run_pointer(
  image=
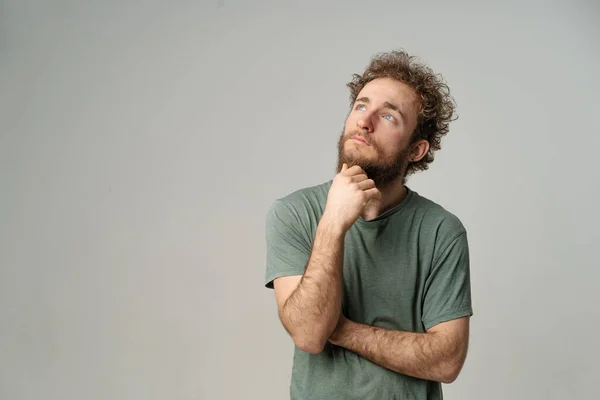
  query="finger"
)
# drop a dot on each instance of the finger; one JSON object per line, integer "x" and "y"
{"x": 354, "y": 170}
{"x": 360, "y": 178}
{"x": 344, "y": 167}
{"x": 366, "y": 184}
{"x": 373, "y": 194}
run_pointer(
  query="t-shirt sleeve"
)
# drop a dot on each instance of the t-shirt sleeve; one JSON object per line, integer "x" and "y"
{"x": 447, "y": 292}
{"x": 288, "y": 246}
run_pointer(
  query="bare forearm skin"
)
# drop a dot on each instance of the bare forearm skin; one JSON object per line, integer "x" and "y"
{"x": 312, "y": 311}
{"x": 432, "y": 356}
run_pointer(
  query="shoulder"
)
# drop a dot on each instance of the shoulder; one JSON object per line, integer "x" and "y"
{"x": 301, "y": 208}
{"x": 438, "y": 225}
{"x": 306, "y": 200}
{"x": 436, "y": 216}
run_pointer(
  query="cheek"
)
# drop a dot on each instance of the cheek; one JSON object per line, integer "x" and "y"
{"x": 390, "y": 147}
{"x": 349, "y": 125}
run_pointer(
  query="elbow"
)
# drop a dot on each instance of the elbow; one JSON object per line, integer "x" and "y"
{"x": 450, "y": 373}
{"x": 310, "y": 345}
{"x": 312, "y": 349}
{"x": 309, "y": 342}
{"x": 451, "y": 367}
{"x": 448, "y": 378}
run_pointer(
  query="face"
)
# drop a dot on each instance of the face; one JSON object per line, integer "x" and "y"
{"x": 377, "y": 131}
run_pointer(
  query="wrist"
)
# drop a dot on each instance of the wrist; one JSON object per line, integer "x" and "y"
{"x": 339, "y": 334}
{"x": 331, "y": 226}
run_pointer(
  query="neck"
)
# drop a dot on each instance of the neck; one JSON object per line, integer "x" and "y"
{"x": 391, "y": 196}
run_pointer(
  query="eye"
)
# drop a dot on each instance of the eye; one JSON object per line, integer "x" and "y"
{"x": 360, "y": 107}
{"x": 389, "y": 117}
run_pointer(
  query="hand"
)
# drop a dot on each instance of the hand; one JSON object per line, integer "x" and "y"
{"x": 337, "y": 333}
{"x": 350, "y": 192}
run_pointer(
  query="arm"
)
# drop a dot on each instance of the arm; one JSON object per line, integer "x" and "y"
{"x": 309, "y": 305}
{"x": 437, "y": 355}
{"x": 440, "y": 353}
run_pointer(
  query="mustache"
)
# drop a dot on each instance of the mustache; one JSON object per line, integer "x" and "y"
{"x": 351, "y": 134}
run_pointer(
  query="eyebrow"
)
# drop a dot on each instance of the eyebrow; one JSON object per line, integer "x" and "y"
{"x": 387, "y": 104}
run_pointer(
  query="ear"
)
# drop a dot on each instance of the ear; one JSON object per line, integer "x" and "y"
{"x": 419, "y": 150}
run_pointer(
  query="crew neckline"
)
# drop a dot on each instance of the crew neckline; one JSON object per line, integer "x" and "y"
{"x": 409, "y": 195}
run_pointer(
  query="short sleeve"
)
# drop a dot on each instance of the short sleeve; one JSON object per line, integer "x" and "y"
{"x": 447, "y": 293}
{"x": 288, "y": 246}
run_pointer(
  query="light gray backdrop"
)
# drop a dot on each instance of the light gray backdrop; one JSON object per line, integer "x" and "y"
{"x": 141, "y": 145}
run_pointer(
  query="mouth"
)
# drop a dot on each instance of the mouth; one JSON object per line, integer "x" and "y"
{"x": 360, "y": 139}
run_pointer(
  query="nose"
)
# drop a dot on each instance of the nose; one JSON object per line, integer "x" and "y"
{"x": 365, "y": 124}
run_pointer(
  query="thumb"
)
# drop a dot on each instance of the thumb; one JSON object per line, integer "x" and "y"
{"x": 344, "y": 167}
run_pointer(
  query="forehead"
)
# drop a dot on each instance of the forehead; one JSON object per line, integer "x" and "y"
{"x": 387, "y": 89}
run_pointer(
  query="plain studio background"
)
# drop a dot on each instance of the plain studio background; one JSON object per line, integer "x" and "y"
{"x": 141, "y": 146}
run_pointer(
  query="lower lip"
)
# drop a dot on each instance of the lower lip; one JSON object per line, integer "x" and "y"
{"x": 360, "y": 141}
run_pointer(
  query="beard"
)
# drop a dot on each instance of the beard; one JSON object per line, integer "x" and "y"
{"x": 383, "y": 170}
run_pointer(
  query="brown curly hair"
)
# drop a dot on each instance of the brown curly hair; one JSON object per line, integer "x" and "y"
{"x": 437, "y": 107}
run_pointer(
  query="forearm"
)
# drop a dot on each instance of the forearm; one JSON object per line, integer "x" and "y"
{"x": 312, "y": 311}
{"x": 431, "y": 356}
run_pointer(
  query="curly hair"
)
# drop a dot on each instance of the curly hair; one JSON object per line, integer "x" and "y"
{"x": 437, "y": 107}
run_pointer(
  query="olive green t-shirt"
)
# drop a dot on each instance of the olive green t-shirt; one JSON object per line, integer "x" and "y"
{"x": 408, "y": 270}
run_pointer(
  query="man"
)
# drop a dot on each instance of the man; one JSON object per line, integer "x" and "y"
{"x": 371, "y": 279}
